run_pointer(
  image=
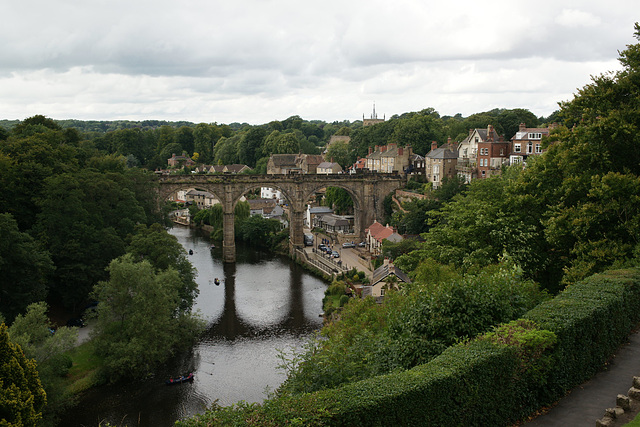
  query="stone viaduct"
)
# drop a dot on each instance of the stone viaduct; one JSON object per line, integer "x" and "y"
{"x": 367, "y": 191}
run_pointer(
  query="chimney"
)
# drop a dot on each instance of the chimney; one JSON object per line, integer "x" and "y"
{"x": 370, "y": 150}
{"x": 400, "y": 151}
{"x": 434, "y": 145}
{"x": 490, "y": 133}
{"x": 523, "y": 127}
{"x": 449, "y": 142}
{"x": 383, "y": 148}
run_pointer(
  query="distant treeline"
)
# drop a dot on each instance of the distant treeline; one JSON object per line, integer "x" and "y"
{"x": 150, "y": 143}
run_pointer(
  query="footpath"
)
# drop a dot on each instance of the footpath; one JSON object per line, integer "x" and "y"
{"x": 587, "y": 403}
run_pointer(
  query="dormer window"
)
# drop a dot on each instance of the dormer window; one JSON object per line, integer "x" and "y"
{"x": 533, "y": 135}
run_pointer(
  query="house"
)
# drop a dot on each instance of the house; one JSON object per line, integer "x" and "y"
{"x": 202, "y": 199}
{"x": 385, "y": 277}
{"x": 417, "y": 165}
{"x": 475, "y": 163}
{"x": 526, "y": 142}
{"x": 271, "y": 193}
{"x": 309, "y": 162}
{"x": 313, "y": 211}
{"x": 376, "y": 233}
{"x": 263, "y": 207}
{"x": 180, "y": 161}
{"x": 389, "y": 158}
{"x": 441, "y": 162}
{"x": 284, "y": 164}
{"x": 326, "y": 168}
{"x": 235, "y": 168}
{"x": 332, "y": 223}
{"x": 359, "y": 166}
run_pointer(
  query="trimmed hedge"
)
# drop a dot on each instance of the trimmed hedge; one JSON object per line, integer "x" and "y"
{"x": 591, "y": 320}
{"x": 476, "y": 383}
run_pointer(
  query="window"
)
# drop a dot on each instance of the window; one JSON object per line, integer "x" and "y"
{"x": 464, "y": 153}
{"x": 529, "y": 147}
{"x": 502, "y": 151}
{"x": 516, "y": 148}
{"x": 538, "y": 148}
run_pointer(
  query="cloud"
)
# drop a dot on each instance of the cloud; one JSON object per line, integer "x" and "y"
{"x": 577, "y": 18}
{"x": 257, "y": 60}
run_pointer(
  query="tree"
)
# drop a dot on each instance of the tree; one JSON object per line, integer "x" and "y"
{"x": 257, "y": 231}
{"x": 22, "y": 397}
{"x": 140, "y": 322}
{"x": 84, "y": 220}
{"x": 340, "y": 152}
{"x": 281, "y": 143}
{"x": 24, "y": 269}
{"x": 418, "y": 131}
{"x": 163, "y": 251}
{"x": 250, "y": 147}
{"x": 339, "y": 199}
{"x": 32, "y": 331}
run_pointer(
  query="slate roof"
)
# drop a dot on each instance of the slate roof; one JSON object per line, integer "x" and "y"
{"x": 284, "y": 159}
{"x": 386, "y": 270}
{"x": 443, "y": 152}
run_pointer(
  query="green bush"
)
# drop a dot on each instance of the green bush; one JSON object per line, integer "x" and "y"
{"x": 344, "y": 299}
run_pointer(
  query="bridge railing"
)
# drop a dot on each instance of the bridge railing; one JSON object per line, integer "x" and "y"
{"x": 328, "y": 267}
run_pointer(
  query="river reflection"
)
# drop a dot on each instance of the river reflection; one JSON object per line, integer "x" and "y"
{"x": 263, "y": 303}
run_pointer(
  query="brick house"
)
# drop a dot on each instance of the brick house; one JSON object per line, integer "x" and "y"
{"x": 376, "y": 233}
{"x": 180, "y": 161}
{"x": 475, "y": 163}
{"x": 527, "y": 142}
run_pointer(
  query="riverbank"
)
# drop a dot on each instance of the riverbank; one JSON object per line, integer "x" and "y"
{"x": 263, "y": 303}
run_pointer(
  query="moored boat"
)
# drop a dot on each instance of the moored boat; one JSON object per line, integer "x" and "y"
{"x": 181, "y": 379}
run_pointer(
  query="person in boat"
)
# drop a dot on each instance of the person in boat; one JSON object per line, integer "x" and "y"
{"x": 216, "y": 281}
{"x": 190, "y": 251}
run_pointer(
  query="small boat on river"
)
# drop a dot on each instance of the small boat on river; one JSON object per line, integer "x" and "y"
{"x": 181, "y": 379}
{"x": 190, "y": 251}
{"x": 216, "y": 281}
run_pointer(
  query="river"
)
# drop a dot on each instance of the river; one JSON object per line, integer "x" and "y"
{"x": 264, "y": 303}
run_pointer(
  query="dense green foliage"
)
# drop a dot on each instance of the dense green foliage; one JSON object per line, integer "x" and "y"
{"x": 22, "y": 397}
{"x": 410, "y": 328}
{"x": 163, "y": 251}
{"x": 34, "y": 332}
{"x": 69, "y": 198}
{"x": 141, "y": 321}
{"x": 24, "y": 269}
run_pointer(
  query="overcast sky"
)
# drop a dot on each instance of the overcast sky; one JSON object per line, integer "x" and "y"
{"x": 260, "y": 60}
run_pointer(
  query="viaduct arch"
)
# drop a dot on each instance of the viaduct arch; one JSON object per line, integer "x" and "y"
{"x": 367, "y": 190}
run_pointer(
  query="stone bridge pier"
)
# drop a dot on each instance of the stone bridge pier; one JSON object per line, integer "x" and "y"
{"x": 367, "y": 191}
